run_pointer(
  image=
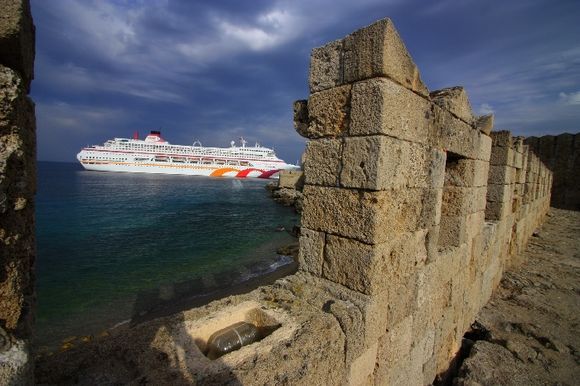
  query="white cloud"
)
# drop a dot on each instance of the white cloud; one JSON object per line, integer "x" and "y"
{"x": 485, "y": 109}
{"x": 572, "y": 98}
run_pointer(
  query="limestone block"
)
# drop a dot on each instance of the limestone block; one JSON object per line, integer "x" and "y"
{"x": 378, "y": 51}
{"x": 467, "y": 173}
{"x": 518, "y": 144}
{"x": 484, "y": 149}
{"x": 394, "y": 352}
{"x": 499, "y": 193}
{"x": 495, "y": 211}
{"x": 454, "y": 100}
{"x": 354, "y": 264}
{"x": 457, "y": 136}
{"x": 301, "y": 123}
{"x": 323, "y": 161}
{"x": 475, "y": 223}
{"x": 381, "y": 106}
{"x": 17, "y": 39}
{"x": 452, "y": 232}
{"x": 462, "y": 201}
{"x": 370, "y": 217}
{"x": 432, "y": 205}
{"x": 485, "y": 123}
{"x": 310, "y": 255}
{"x": 362, "y": 367}
{"x": 518, "y": 160}
{"x": 502, "y": 138}
{"x": 326, "y": 67}
{"x": 501, "y": 156}
{"x": 371, "y": 269}
{"x": 379, "y": 162}
{"x": 501, "y": 174}
{"x": 328, "y": 112}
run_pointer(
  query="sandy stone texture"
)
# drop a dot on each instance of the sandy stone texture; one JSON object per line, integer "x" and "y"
{"x": 532, "y": 319}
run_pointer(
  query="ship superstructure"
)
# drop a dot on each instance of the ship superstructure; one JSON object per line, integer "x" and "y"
{"x": 156, "y": 155}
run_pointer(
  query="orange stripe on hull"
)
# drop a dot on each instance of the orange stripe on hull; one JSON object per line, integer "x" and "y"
{"x": 222, "y": 171}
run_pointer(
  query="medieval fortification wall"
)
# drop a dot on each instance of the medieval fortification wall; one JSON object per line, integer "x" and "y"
{"x": 561, "y": 154}
{"x": 412, "y": 210}
{"x": 17, "y": 187}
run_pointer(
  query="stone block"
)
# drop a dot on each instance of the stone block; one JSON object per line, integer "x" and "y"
{"x": 328, "y": 112}
{"x": 323, "y": 161}
{"x": 381, "y": 106}
{"x": 372, "y": 269}
{"x": 378, "y": 51}
{"x": 462, "y": 201}
{"x": 301, "y": 123}
{"x": 326, "y": 67}
{"x": 518, "y": 144}
{"x": 310, "y": 255}
{"x": 454, "y": 100}
{"x": 518, "y": 160}
{"x": 495, "y": 211}
{"x": 501, "y": 156}
{"x": 380, "y": 162}
{"x": 362, "y": 367}
{"x": 502, "y": 138}
{"x": 370, "y": 217}
{"x": 485, "y": 123}
{"x": 457, "y": 136}
{"x": 467, "y": 173}
{"x": 501, "y": 174}
{"x": 475, "y": 223}
{"x": 499, "y": 193}
{"x": 484, "y": 149}
{"x": 452, "y": 232}
{"x": 17, "y": 39}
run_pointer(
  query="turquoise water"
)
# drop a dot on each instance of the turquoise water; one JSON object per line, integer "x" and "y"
{"x": 110, "y": 245}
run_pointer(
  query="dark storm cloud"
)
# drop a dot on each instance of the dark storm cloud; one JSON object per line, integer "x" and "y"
{"x": 223, "y": 69}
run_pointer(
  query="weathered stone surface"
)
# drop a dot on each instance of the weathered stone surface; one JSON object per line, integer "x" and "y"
{"x": 499, "y": 193}
{"x": 362, "y": 368}
{"x": 497, "y": 210}
{"x": 17, "y": 187}
{"x": 323, "y": 161}
{"x": 501, "y": 174}
{"x": 502, "y": 138}
{"x": 310, "y": 255}
{"x": 379, "y": 162}
{"x": 301, "y": 121}
{"x": 454, "y": 100}
{"x": 378, "y": 51}
{"x": 502, "y": 156}
{"x": 485, "y": 123}
{"x": 329, "y": 113}
{"x": 355, "y": 214}
{"x": 467, "y": 173}
{"x": 17, "y": 39}
{"x": 457, "y": 136}
{"x": 326, "y": 67}
{"x": 452, "y": 232}
{"x": 381, "y": 106}
{"x": 463, "y": 201}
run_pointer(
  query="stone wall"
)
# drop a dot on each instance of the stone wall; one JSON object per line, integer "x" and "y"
{"x": 562, "y": 155}
{"x": 17, "y": 187}
{"x": 412, "y": 210}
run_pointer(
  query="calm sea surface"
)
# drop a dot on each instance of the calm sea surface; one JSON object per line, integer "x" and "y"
{"x": 112, "y": 245}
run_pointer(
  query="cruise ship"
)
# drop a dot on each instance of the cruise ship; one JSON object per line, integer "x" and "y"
{"x": 155, "y": 155}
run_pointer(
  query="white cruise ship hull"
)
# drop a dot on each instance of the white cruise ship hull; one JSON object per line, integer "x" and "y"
{"x": 182, "y": 169}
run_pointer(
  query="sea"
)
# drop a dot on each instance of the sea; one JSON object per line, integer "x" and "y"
{"x": 113, "y": 246}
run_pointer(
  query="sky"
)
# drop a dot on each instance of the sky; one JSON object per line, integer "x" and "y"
{"x": 218, "y": 70}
